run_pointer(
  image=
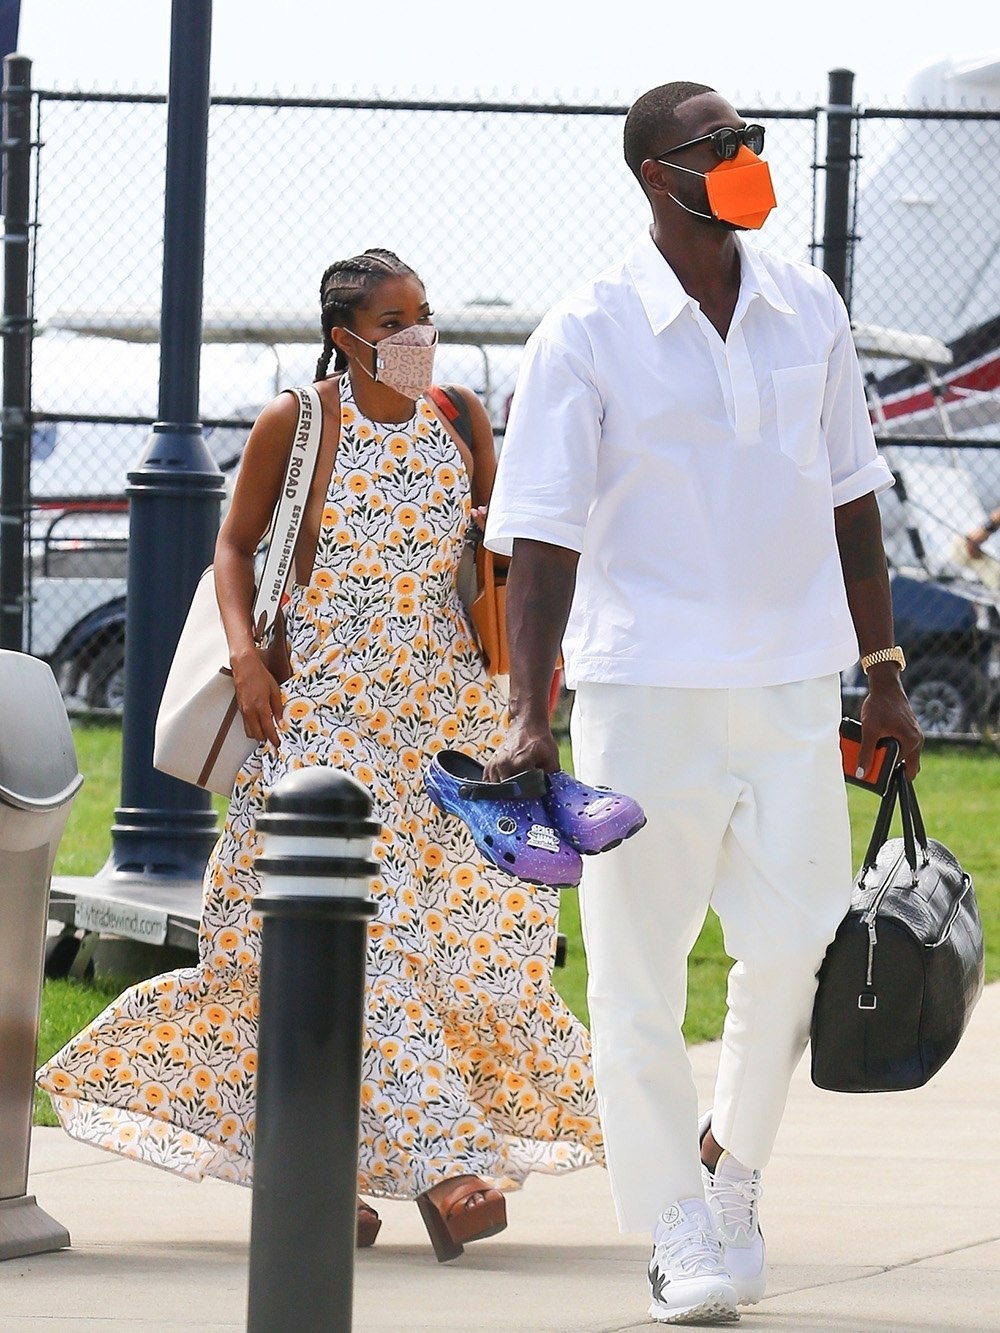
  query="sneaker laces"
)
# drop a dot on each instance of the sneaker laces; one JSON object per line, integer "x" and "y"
{"x": 691, "y": 1249}
{"x": 734, "y": 1205}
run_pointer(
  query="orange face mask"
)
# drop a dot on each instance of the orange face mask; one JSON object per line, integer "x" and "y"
{"x": 739, "y": 191}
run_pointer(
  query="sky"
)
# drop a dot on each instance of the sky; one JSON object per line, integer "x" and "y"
{"x": 770, "y": 51}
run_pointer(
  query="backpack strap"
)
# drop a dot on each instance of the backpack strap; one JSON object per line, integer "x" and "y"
{"x": 451, "y": 405}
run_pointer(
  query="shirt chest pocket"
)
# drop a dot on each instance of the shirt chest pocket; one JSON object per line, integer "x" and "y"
{"x": 798, "y": 406}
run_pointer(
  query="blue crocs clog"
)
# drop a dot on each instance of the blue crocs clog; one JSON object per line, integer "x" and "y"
{"x": 591, "y": 819}
{"x": 507, "y": 820}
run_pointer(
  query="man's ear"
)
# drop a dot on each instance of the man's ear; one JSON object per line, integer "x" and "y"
{"x": 655, "y": 176}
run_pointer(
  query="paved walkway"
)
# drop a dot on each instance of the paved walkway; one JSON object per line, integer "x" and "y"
{"x": 882, "y": 1214}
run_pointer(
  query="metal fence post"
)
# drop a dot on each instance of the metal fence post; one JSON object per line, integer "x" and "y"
{"x": 164, "y": 826}
{"x": 837, "y": 235}
{"x": 315, "y": 870}
{"x": 16, "y": 329}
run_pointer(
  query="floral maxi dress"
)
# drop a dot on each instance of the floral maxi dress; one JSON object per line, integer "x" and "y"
{"x": 472, "y": 1063}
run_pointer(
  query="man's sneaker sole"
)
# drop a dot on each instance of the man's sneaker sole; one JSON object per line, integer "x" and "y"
{"x": 717, "y": 1307}
{"x": 748, "y": 1294}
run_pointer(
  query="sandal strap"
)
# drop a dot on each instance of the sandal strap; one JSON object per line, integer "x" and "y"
{"x": 519, "y": 786}
{"x": 447, "y": 1200}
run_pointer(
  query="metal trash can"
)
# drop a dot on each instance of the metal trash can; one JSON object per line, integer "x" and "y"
{"x": 38, "y": 781}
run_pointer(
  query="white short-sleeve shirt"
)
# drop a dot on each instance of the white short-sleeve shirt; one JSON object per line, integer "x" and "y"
{"x": 696, "y": 477}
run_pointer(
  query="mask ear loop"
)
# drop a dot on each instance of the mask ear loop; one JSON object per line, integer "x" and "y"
{"x": 695, "y": 213}
{"x": 373, "y": 373}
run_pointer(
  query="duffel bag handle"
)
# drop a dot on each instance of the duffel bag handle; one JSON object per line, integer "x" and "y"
{"x": 901, "y": 789}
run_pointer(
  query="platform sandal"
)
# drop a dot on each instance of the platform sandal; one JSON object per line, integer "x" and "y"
{"x": 464, "y": 1209}
{"x": 369, "y": 1223}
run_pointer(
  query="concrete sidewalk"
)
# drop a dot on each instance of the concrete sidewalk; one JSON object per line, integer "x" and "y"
{"x": 881, "y": 1213}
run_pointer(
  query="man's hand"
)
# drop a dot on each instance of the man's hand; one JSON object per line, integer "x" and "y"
{"x": 886, "y": 712}
{"x": 524, "y": 747}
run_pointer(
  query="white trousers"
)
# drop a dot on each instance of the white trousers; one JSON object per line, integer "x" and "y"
{"x": 744, "y": 795}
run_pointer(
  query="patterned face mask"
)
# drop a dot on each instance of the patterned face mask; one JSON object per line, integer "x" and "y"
{"x": 404, "y": 361}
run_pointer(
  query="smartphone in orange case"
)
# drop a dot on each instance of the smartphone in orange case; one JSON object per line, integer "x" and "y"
{"x": 877, "y": 777}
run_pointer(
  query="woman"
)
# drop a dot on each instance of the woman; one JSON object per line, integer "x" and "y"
{"x": 474, "y": 1073}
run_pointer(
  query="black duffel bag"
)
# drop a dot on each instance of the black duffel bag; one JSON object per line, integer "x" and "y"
{"x": 901, "y": 978}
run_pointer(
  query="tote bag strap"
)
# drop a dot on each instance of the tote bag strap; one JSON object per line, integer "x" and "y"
{"x": 288, "y": 514}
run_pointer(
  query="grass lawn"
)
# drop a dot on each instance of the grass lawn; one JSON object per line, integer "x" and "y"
{"x": 959, "y": 790}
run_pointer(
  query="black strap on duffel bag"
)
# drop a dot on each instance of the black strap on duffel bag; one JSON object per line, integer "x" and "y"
{"x": 902, "y": 976}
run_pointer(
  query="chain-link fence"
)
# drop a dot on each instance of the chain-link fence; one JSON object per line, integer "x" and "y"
{"x": 502, "y": 209}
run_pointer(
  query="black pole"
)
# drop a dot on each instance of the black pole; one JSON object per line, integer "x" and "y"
{"x": 16, "y": 329}
{"x": 316, "y": 872}
{"x": 837, "y": 214}
{"x": 165, "y": 827}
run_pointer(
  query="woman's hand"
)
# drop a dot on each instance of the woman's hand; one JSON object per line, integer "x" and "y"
{"x": 974, "y": 542}
{"x": 478, "y": 517}
{"x": 258, "y": 696}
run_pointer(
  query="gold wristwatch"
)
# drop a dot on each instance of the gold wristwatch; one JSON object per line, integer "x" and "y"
{"x": 884, "y": 655}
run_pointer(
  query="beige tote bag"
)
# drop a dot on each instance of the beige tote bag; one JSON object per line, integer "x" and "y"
{"x": 199, "y": 733}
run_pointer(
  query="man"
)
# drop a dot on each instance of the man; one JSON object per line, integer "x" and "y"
{"x": 689, "y": 447}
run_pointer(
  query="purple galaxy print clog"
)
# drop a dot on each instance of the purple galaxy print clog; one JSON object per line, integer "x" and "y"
{"x": 591, "y": 819}
{"x": 508, "y": 820}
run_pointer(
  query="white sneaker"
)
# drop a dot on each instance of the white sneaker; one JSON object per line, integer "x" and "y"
{"x": 688, "y": 1281}
{"x": 732, "y": 1191}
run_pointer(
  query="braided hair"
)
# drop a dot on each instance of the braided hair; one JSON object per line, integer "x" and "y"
{"x": 346, "y": 285}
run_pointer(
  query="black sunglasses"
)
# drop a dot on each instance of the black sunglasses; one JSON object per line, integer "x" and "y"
{"x": 726, "y": 142}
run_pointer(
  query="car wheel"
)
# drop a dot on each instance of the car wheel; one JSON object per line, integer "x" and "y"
{"x": 106, "y": 678}
{"x": 942, "y": 693}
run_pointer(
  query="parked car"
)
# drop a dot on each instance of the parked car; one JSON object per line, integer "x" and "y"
{"x": 951, "y": 635}
{"x": 76, "y": 608}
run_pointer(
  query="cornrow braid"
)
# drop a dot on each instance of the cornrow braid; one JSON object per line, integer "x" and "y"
{"x": 344, "y": 287}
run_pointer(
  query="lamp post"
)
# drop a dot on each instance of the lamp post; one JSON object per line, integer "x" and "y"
{"x": 164, "y": 827}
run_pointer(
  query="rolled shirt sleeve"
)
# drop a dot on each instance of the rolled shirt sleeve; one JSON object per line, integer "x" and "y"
{"x": 856, "y": 468}
{"x": 547, "y": 473}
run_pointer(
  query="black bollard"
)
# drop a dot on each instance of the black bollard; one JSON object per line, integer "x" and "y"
{"x": 316, "y": 870}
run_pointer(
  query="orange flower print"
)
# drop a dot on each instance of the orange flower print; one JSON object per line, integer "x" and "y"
{"x": 407, "y": 516}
